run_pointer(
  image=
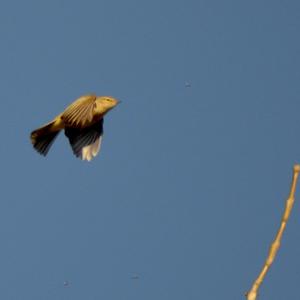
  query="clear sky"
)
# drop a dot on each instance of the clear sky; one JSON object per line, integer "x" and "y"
{"x": 187, "y": 192}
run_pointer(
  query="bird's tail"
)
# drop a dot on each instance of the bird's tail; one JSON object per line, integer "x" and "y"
{"x": 43, "y": 137}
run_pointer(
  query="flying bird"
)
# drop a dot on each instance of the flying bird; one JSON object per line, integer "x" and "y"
{"x": 82, "y": 122}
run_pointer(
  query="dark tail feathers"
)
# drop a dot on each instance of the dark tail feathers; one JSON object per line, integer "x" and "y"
{"x": 43, "y": 138}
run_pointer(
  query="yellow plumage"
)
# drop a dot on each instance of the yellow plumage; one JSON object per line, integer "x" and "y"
{"x": 83, "y": 125}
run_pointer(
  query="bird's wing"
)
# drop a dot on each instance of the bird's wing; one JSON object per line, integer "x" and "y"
{"x": 85, "y": 142}
{"x": 80, "y": 112}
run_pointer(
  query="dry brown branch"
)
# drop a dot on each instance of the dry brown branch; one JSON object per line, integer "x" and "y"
{"x": 253, "y": 292}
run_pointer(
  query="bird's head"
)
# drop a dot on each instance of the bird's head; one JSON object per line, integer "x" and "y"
{"x": 107, "y": 103}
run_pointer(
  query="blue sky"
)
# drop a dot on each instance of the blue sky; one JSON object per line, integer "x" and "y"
{"x": 190, "y": 184}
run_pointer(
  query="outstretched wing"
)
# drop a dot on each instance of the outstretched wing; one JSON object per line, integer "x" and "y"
{"x": 85, "y": 142}
{"x": 80, "y": 113}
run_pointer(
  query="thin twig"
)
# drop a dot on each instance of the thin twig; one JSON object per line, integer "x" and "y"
{"x": 252, "y": 294}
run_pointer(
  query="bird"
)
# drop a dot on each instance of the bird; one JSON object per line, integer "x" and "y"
{"x": 82, "y": 122}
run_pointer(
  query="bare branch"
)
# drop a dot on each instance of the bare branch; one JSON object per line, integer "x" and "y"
{"x": 252, "y": 294}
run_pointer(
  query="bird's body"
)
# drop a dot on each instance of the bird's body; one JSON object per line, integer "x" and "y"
{"x": 83, "y": 125}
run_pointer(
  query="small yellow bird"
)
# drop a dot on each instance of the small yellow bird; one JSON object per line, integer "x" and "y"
{"x": 83, "y": 125}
